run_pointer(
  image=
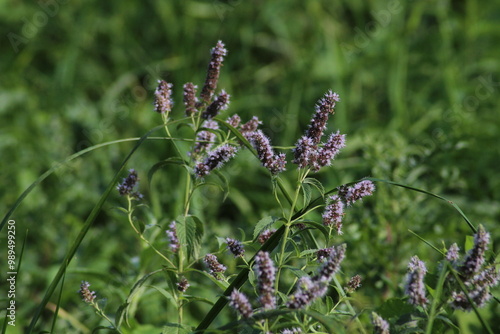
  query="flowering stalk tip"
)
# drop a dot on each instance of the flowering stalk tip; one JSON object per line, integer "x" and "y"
{"x": 163, "y": 97}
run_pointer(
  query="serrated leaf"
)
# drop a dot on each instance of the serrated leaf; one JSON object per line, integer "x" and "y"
{"x": 264, "y": 224}
{"x": 198, "y": 235}
{"x": 189, "y": 232}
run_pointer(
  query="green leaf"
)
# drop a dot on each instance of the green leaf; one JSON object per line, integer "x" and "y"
{"x": 165, "y": 293}
{"x": 306, "y": 190}
{"x": 198, "y": 235}
{"x": 190, "y": 232}
{"x": 317, "y": 226}
{"x": 264, "y": 224}
{"x": 316, "y": 184}
{"x": 394, "y": 307}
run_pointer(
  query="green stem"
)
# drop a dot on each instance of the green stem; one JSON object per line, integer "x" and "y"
{"x": 130, "y": 211}
{"x": 348, "y": 304}
{"x": 104, "y": 316}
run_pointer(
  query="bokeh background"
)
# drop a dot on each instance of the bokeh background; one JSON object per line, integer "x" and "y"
{"x": 419, "y": 83}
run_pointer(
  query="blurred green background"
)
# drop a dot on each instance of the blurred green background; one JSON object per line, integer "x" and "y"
{"x": 419, "y": 83}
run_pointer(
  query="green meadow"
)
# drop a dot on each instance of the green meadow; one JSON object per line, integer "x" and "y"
{"x": 419, "y": 87}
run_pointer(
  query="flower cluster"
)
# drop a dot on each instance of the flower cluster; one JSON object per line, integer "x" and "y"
{"x": 355, "y": 193}
{"x": 87, "y": 295}
{"x": 415, "y": 288}
{"x": 172, "y": 237}
{"x": 215, "y": 268}
{"x": 334, "y": 210}
{"x": 353, "y": 284}
{"x": 452, "y": 254}
{"x": 477, "y": 280}
{"x": 207, "y": 92}
{"x": 163, "y": 97}
{"x": 307, "y": 151}
{"x": 240, "y": 303}
{"x": 265, "y": 235}
{"x": 183, "y": 284}
{"x": 234, "y": 120}
{"x": 215, "y": 159}
{"x": 205, "y": 138}
{"x": 380, "y": 326}
{"x": 309, "y": 288}
{"x": 220, "y": 103}
{"x": 265, "y": 273}
{"x": 334, "y": 213}
{"x": 190, "y": 98}
{"x": 126, "y": 188}
{"x": 250, "y": 126}
{"x": 235, "y": 247}
{"x": 275, "y": 163}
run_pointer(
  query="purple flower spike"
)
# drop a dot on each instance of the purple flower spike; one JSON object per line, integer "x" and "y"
{"x": 215, "y": 159}
{"x": 332, "y": 147}
{"x": 305, "y": 152}
{"x": 205, "y": 139}
{"x": 163, "y": 97}
{"x": 126, "y": 188}
{"x": 324, "y": 108}
{"x": 183, "y": 284}
{"x": 356, "y": 192}
{"x": 475, "y": 257}
{"x": 452, "y": 253}
{"x": 172, "y": 237}
{"x": 380, "y": 326}
{"x": 415, "y": 288}
{"x": 234, "y": 120}
{"x": 215, "y": 268}
{"x": 190, "y": 98}
{"x": 331, "y": 265}
{"x": 235, "y": 247}
{"x": 240, "y": 303}
{"x": 87, "y": 295}
{"x": 250, "y": 126}
{"x": 274, "y": 163}
{"x": 334, "y": 213}
{"x": 265, "y": 272}
{"x": 220, "y": 103}
{"x": 207, "y": 92}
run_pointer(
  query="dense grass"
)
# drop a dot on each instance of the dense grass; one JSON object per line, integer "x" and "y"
{"x": 419, "y": 104}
